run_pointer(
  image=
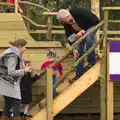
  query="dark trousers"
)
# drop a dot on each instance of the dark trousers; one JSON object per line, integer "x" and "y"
{"x": 9, "y": 103}
{"x": 90, "y": 58}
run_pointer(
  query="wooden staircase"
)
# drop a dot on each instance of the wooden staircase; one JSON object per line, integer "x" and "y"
{"x": 70, "y": 94}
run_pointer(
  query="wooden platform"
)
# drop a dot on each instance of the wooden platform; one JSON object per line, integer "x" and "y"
{"x": 12, "y": 27}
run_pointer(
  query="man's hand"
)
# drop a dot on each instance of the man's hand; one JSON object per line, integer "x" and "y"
{"x": 20, "y": 10}
{"x": 80, "y": 34}
{"x": 76, "y": 54}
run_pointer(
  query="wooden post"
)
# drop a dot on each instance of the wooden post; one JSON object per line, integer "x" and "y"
{"x": 110, "y": 94}
{"x": 49, "y": 31}
{"x": 16, "y": 6}
{"x": 104, "y": 74}
{"x": 49, "y": 78}
{"x": 103, "y": 86}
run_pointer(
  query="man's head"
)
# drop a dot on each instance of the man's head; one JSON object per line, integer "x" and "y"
{"x": 64, "y": 16}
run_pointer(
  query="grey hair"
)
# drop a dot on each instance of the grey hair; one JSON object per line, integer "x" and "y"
{"x": 62, "y": 14}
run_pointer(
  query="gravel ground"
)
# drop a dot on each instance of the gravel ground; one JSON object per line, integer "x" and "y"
{"x": 83, "y": 117}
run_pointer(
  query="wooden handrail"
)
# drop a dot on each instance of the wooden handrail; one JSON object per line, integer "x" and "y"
{"x": 110, "y": 38}
{"x": 78, "y": 61}
{"x": 27, "y": 3}
{"x": 35, "y": 5}
{"x": 111, "y": 8}
{"x": 39, "y": 25}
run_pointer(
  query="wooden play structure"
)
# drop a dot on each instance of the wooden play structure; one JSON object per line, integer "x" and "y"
{"x": 12, "y": 26}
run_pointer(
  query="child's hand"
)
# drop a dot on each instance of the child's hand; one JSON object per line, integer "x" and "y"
{"x": 28, "y": 69}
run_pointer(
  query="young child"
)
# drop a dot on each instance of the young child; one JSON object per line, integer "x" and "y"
{"x": 26, "y": 89}
{"x": 58, "y": 67}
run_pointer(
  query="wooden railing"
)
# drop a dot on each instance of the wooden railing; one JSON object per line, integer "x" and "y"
{"x": 107, "y": 98}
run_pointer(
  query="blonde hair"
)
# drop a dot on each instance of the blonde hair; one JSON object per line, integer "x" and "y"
{"x": 62, "y": 14}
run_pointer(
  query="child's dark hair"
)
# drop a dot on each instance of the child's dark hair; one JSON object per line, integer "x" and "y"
{"x": 18, "y": 42}
{"x": 51, "y": 53}
{"x": 26, "y": 61}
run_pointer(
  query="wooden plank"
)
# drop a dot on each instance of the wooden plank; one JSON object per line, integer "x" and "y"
{"x": 111, "y": 38}
{"x": 10, "y": 17}
{"x": 36, "y": 98}
{"x": 116, "y": 85}
{"x": 1, "y": 98}
{"x": 77, "y": 88}
{"x": 49, "y": 77}
{"x": 42, "y": 57}
{"x": 117, "y": 90}
{"x": 111, "y": 8}
{"x": 103, "y": 89}
{"x": 31, "y": 42}
{"x": 81, "y": 110}
{"x": 38, "y": 90}
{"x": 13, "y": 33}
{"x": 16, "y": 6}
{"x": 110, "y": 91}
{"x": 85, "y": 110}
{"x": 34, "y": 44}
{"x": 44, "y": 50}
{"x": 59, "y": 32}
{"x": 13, "y": 25}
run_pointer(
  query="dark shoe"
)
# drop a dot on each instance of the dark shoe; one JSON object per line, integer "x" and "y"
{"x": 72, "y": 81}
{"x": 27, "y": 115}
{"x": 54, "y": 96}
{"x": 88, "y": 67}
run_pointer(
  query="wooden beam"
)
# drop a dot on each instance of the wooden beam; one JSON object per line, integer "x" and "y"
{"x": 110, "y": 97}
{"x": 110, "y": 38}
{"x": 32, "y": 44}
{"x": 49, "y": 77}
{"x": 16, "y": 6}
{"x": 111, "y": 8}
{"x": 50, "y": 13}
{"x": 71, "y": 93}
{"x": 103, "y": 81}
{"x": 49, "y": 30}
{"x": 114, "y": 21}
{"x": 45, "y": 31}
